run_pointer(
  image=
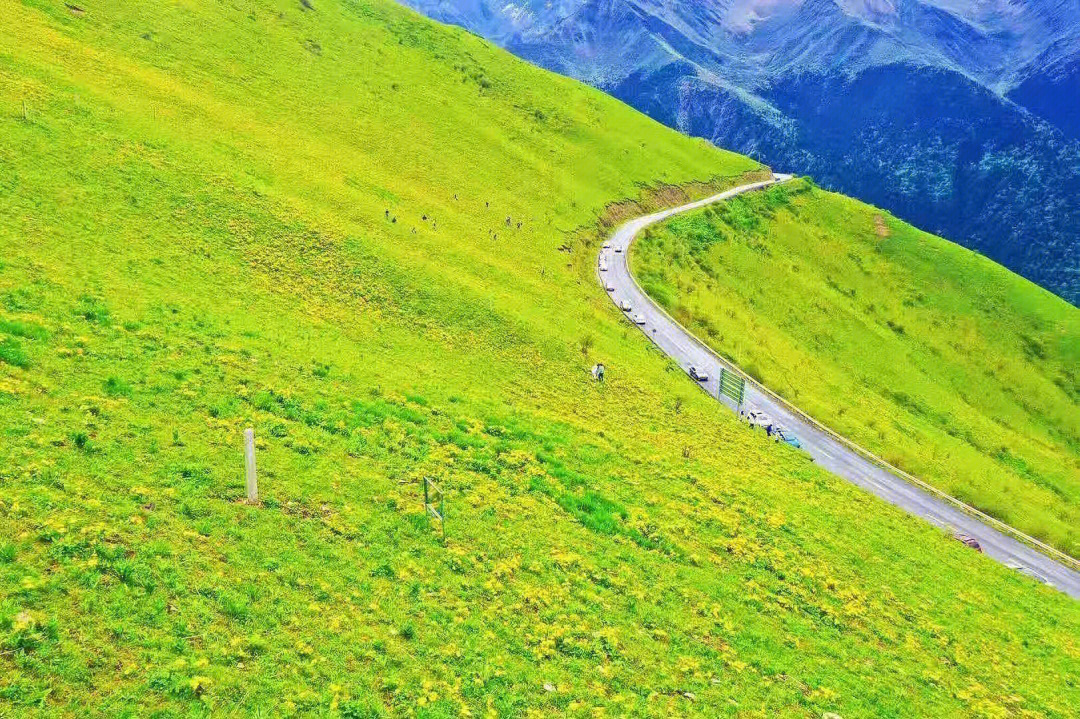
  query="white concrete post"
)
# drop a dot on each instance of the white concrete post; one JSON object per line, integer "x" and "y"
{"x": 249, "y": 456}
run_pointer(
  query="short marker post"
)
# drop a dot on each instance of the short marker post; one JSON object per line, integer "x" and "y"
{"x": 249, "y": 460}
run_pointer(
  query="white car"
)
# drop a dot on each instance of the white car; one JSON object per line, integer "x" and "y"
{"x": 757, "y": 418}
{"x": 697, "y": 374}
{"x": 618, "y": 249}
{"x": 610, "y": 287}
{"x": 606, "y": 246}
{"x": 639, "y": 319}
{"x": 626, "y": 306}
{"x": 603, "y": 267}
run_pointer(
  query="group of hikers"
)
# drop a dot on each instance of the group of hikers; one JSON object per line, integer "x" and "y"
{"x": 434, "y": 225}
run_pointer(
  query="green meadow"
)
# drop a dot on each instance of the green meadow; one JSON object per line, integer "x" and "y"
{"x": 372, "y": 239}
{"x": 935, "y": 358}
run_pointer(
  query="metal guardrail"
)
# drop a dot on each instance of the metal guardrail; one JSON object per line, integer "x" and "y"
{"x": 866, "y": 454}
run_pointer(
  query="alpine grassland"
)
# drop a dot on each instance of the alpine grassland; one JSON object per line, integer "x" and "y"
{"x": 372, "y": 239}
{"x": 933, "y": 357}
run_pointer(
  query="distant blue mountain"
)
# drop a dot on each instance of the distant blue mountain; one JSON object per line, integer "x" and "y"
{"x": 1049, "y": 86}
{"x": 960, "y": 116}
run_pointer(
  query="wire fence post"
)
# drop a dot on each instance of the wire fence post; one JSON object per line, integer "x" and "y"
{"x": 249, "y": 462}
{"x": 435, "y": 505}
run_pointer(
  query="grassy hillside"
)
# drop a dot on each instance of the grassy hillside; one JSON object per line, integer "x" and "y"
{"x": 214, "y": 217}
{"x": 939, "y": 360}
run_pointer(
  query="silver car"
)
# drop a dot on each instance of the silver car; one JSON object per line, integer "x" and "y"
{"x": 639, "y": 319}
{"x": 757, "y": 418}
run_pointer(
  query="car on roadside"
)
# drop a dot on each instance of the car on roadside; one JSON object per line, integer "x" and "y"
{"x": 610, "y": 287}
{"x": 757, "y": 418}
{"x": 626, "y": 306}
{"x": 639, "y": 319}
{"x": 784, "y": 435}
{"x": 968, "y": 541}
{"x": 603, "y": 266}
{"x": 697, "y": 374}
{"x": 606, "y": 246}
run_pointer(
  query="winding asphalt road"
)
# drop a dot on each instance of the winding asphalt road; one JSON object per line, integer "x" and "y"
{"x": 828, "y": 450}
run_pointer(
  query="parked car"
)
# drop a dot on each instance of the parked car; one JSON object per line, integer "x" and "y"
{"x": 610, "y": 287}
{"x": 603, "y": 266}
{"x": 783, "y": 435}
{"x": 697, "y": 374}
{"x": 968, "y": 541}
{"x": 639, "y": 319}
{"x": 606, "y": 245}
{"x": 757, "y": 418}
{"x": 626, "y": 306}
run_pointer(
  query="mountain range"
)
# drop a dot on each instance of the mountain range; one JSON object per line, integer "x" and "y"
{"x": 962, "y": 117}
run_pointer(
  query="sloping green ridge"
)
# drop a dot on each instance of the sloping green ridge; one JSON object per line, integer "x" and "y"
{"x": 197, "y": 234}
{"x": 941, "y": 361}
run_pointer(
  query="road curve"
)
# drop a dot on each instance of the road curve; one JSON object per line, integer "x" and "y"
{"x": 829, "y": 451}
